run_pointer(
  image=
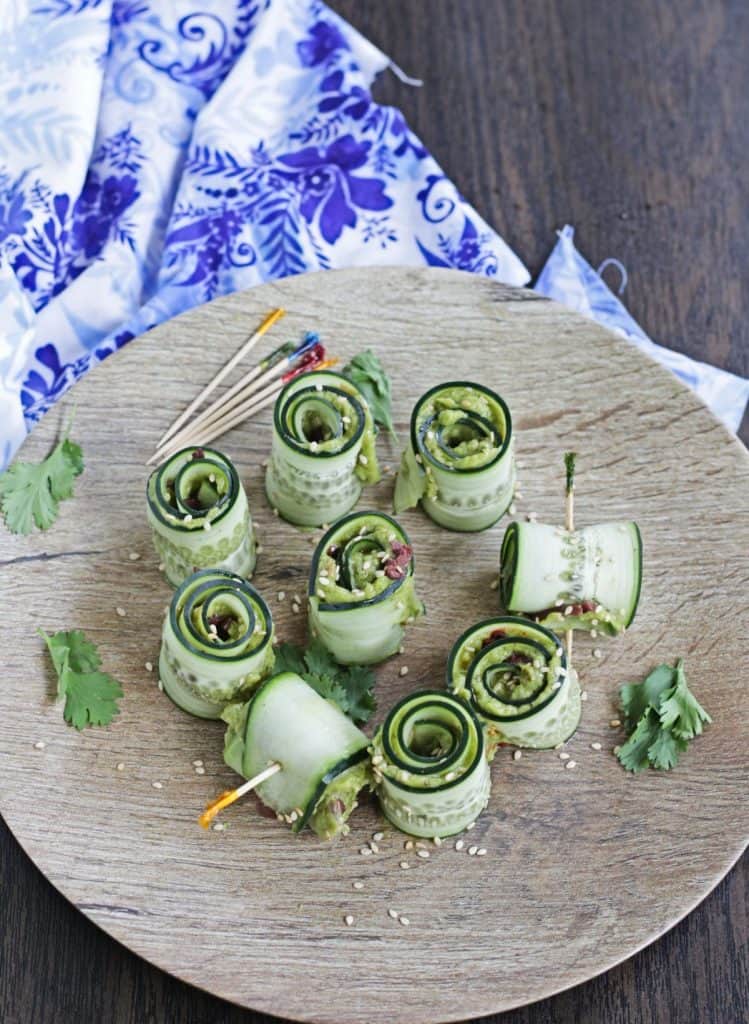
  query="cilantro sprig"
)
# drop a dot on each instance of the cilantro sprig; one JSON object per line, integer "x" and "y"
{"x": 367, "y": 372}
{"x": 30, "y": 492}
{"x": 90, "y": 695}
{"x": 662, "y": 715}
{"x": 351, "y": 687}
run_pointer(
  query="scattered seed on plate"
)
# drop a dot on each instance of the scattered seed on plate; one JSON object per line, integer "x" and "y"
{"x": 404, "y": 921}
{"x": 472, "y": 851}
{"x": 281, "y": 595}
{"x": 197, "y": 764}
{"x": 120, "y": 611}
{"x": 597, "y": 652}
{"x": 424, "y": 854}
{"x": 494, "y": 584}
{"x": 378, "y": 836}
{"x": 157, "y": 785}
{"x": 481, "y": 852}
{"x": 403, "y": 671}
{"x": 584, "y": 695}
{"x": 295, "y": 608}
{"x": 405, "y": 865}
{"x": 517, "y": 754}
{"x": 408, "y": 845}
{"x": 161, "y": 567}
{"x": 121, "y": 766}
{"x": 149, "y": 666}
{"x": 470, "y": 825}
{"x": 437, "y": 841}
{"x": 615, "y": 723}
{"x": 564, "y": 756}
{"x": 365, "y": 851}
{"x": 348, "y": 920}
{"x": 40, "y": 745}
{"x": 393, "y": 913}
{"x": 358, "y": 885}
{"x": 571, "y": 764}
{"x": 134, "y": 556}
{"x": 199, "y": 770}
{"x": 459, "y": 844}
{"x": 511, "y": 509}
{"x": 616, "y": 750}
{"x": 595, "y": 746}
{"x": 373, "y": 846}
{"x": 219, "y": 827}
{"x": 401, "y": 650}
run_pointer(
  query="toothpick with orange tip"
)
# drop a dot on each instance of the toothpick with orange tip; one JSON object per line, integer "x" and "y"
{"x": 230, "y": 796}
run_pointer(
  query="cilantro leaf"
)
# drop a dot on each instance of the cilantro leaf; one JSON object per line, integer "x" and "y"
{"x": 90, "y": 696}
{"x": 636, "y": 697}
{"x": 348, "y": 686}
{"x": 367, "y": 373}
{"x": 30, "y": 492}
{"x": 664, "y": 753}
{"x": 634, "y": 753}
{"x": 680, "y": 711}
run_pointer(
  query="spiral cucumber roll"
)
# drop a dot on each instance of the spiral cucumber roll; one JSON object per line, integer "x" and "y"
{"x": 582, "y": 579}
{"x": 431, "y": 772}
{"x": 323, "y": 756}
{"x": 514, "y": 674}
{"x": 198, "y": 513}
{"x": 459, "y": 463}
{"x": 361, "y": 588}
{"x": 216, "y": 644}
{"x": 323, "y": 449}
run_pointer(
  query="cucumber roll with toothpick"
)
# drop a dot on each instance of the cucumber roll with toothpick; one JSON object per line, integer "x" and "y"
{"x": 323, "y": 449}
{"x": 459, "y": 464}
{"x": 199, "y": 516}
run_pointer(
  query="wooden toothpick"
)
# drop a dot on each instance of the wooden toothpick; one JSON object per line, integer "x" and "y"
{"x": 569, "y": 522}
{"x": 232, "y": 795}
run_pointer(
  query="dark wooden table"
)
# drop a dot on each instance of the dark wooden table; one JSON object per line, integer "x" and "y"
{"x": 631, "y": 122}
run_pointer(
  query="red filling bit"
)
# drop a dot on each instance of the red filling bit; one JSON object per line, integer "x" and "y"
{"x": 495, "y": 634}
{"x": 223, "y": 625}
{"x": 199, "y": 453}
{"x": 576, "y": 609}
{"x": 395, "y": 567}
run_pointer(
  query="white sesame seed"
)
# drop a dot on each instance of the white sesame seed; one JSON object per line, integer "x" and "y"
{"x": 358, "y": 885}
{"x": 197, "y": 764}
{"x": 401, "y": 650}
{"x": 313, "y": 446}
{"x": 511, "y": 509}
{"x": 470, "y": 826}
{"x": 378, "y": 836}
{"x": 200, "y": 770}
{"x": 281, "y": 595}
{"x": 134, "y": 556}
{"x": 424, "y": 854}
{"x": 595, "y": 746}
{"x": 494, "y": 584}
{"x": 374, "y": 847}
{"x": 564, "y": 756}
{"x": 436, "y": 840}
{"x": 219, "y": 826}
{"x": 616, "y": 750}
{"x": 459, "y": 844}
{"x": 584, "y": 695}
{"x": 318, "y": 387}
{"x": 121, "y": 612}
{"x": 295, "y": 609}
{"x": 161, "y": 685}
{"x": 615, "y": 723}
{"x": 40, "y": 745}
{"x": 405, "y": 865}
{"x": 517, "y": 754}
{"x": 408, "y": 845}
{"x": 393, "y": 913}
{"x": 348, "y": 920}
{"x": 365, "y": 851}
{"x": 472, "y": 851}
{"x": 121, "y": 766}
{"x": 450, "y": 776}
{"x": 403, "y": 671}
{"x": 593, "y": 634}
{"x": 161, "y": 566}
{"x": 481, "y": 852}
{"x": 149, "y": 667}
{"x": 157, "y": 785}
{"x": 258, "y": 549}
{"x": 568, "y": 610}
{"x": 571, "y": 764}
{"x": 276, "y": 513}
{"x": 404, "y": 921}
{"x": 596, "y": 652}
{"x": 363, "y": 460}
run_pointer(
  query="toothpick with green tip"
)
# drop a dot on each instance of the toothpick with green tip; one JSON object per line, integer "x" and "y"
{"x": 569, "y": 521}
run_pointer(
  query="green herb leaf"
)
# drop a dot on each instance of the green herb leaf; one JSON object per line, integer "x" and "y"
{"x": 636, "y": 697}
{"x": 90, "y": 696}
{"x": 348, "y": 686}
{"x": 634, "y": 753}
{"x": 665, "y": 750}
{"x": 680, "y": 710}
{"x": 30, "y": 492}
{"x": 368, "y": 374}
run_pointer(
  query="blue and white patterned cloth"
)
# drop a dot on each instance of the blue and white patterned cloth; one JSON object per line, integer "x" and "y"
{"x": 155, "y": 154}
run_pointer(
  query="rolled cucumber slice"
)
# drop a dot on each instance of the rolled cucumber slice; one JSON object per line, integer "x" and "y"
{"x": 323, "y": 449}
{"x": 431, "y": 773}
{"x": 583, "y": 579}
{"x": 459, "y": 464}
{"x": 199, "y": 516}
{"x": 361, "y": 588}
{"x": 514, "y": 674}
{"x": 216, "y": 643}
{"x": 323, "y": 756}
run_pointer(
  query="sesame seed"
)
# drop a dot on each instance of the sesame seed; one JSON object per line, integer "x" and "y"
{"x": 206, "y": 525}
{"x": 378, "y": 836}
{"x": 200, "y": 770}
{"x": 459, "y": 844}
{"x": 472, "y": 851}
{"x": 296, "y": 599}
{"x": 318, "y": 387}
{"x": 403, "y": 671}
{"x": 348, "y": 920}
{"x": 596, "y": 652}
{"x": 436, "y": 840}
{"x": 363, "y": 460}
{"x": 157, "y": 785}
{"x": 517, "y": 754}
{"x": 197, "y": 764}
{"x": 161, "y": 685}
{"x": 401, "y": 650}
{"x": 494, "y": 584}
{"x": 615, "y": 723}
{"x": 564, "y": 756}
{"x": 358, "y": 885}
{"x": 481, "y": 852}
{"x": 593, "y": 634}
{"x": 134, "y": 556}
{"x": 365, "y": 851}
{"x": 616, "y": 750}
{"x": 568, "y": 610}
{"x": 470, "y": 826}
{"x": 511, "y": 509}
{"x": 219, "y": 826}
{"x": 149, "y": 667}
{"x": 424, "y": 854}
{"x": 121, "y": 766}
{"x": 393, "y": 913}
{"x": 584, "y": 695}
{"x": 161, "y": 566}
{"x": 571, "y": 764}
{"x": 258, "y": 549}
{"x": 295, "y": 609}
{"x": 404, "y": 921}
{"x": 276, "y": 513}
{"x": 39, "y": 745}
{"x": 450, "y": 776}
{"x": 281, "y": 595}
{"x": 121, "y": 612}
{"x": 408, "y": 845}
{"x": 405, "y": 865}
{"x": 313, "y": 446}
{"x": 595, "y": 746}
{"x": 374, "y": 847}
{"x": 188, "y": 517}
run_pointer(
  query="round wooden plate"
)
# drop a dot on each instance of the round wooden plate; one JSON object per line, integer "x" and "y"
{"x": 584, "y": 866}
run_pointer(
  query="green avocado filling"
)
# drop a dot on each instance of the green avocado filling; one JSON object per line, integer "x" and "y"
{"x": 235, "y": 716}
{"x": 600, "y": 620}
{"x": 339, "y": 799}
{"x": 460, "y": 428}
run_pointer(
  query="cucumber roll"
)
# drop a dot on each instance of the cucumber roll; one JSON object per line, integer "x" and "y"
{"x": 216, "y": 644}
{"x": 581, "y": 579}
{"x": 361, "y": 588}
{"x": 459, "y": 463}
{"x": 323, "y": 756}
{"x": 431, "y": 772}
{"x": 323, "y": 449}
{"x": 198, "y": 513}
{"x": 514, "y": 674}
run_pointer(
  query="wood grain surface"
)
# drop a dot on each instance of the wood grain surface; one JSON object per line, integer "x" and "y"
{"x": 584, "y": 866}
